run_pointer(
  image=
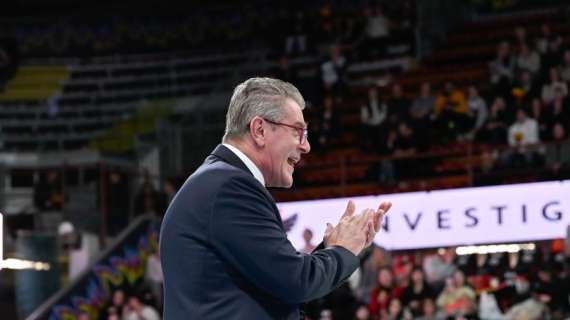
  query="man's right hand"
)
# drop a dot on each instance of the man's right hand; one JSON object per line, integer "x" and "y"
{"x": 352, "y": 231}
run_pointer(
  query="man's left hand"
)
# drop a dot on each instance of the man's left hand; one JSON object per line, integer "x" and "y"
{"x": 374, "y": 225}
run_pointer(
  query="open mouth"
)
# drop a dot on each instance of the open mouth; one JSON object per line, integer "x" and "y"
{"x": 292, "y": 161}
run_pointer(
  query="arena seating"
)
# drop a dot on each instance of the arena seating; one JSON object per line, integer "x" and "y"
{"x": 463, "y": 59}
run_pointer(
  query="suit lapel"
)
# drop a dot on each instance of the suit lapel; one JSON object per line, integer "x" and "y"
{"x": 231, "y": 158}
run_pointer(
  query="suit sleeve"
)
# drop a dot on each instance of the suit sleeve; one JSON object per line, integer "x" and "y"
{"x": 246, "y": 233}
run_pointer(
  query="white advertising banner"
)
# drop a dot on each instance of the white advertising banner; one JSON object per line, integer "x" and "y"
{"x": 498, "y": 214}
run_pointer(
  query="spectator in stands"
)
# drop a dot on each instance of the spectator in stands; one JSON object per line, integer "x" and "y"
{"x": 377, "y": 33}
{"x": 165, "y": 196}
{"x": 117, "y": 305}
{"x": 459, "y": 277}
{"x": 117, "y": 203}
{"x": 544, "y": 39}
{"x": 529, "y": 309}
{"x": 402, "y": 268}
{"x": 398, "y": 106}
{"x": 112, "y": 314}
{"x": 438, "y": 266}
{"x": 550, "y": 47}
{"x": 402, "y": 144}
{"x": 350, "y": 35}
{"x": 523, "y": 134}
{"x": 379, "y": 258}
{"x": 429, "y": 311}
{"x": 538, "y": 113}
{"x": 520, "y": 36}
{"x": 296, "y": 41}
{"x": 527, "y": 85}
{"x": 424, "y": 104}
{"x": 420, "y": 115}
{"x": 495, "y": 129}
{"x": 308, "y": 238}
{"x": 154, "y": 277}
{"x": 418, "y": 290}
{"x": 341, "y": 302}
{"x": 476, "y": 110}
{"x": 362, "y": 313}
{"x": 333, "y": 73}
{"x": 565, "y": 67}
{"x": 451, "y": 112}
{"x": 558, "y": 152}
{"x": 396, "y": 311}
{"x": 382, "y": 294}
{"x": 326, "y": 33}
{"x": 558, "y": 111}
{"x": 146, "y": 198}
{"x": 48, "y": 193}
{"x": 554, "y": 85}
{"x": 328, "y": 124}
{"x": 136, "y": 310}
{"x": 372, "y": 117}
{"x": 456, "y": 300}
{"x": 502, "y": 69}
{"x": 285, "y": 71}
{"x": 548, "y": 290}
{"x": 528, "y": 60}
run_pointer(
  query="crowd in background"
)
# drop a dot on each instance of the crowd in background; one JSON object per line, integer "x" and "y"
{"x": 439, "y": 284}
{"x": 429, "y": 284}
{"x": 371, "y": 32}
{"x": 525, "y": 102}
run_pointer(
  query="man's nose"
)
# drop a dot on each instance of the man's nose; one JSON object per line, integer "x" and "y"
{"x": 305, "y": 146}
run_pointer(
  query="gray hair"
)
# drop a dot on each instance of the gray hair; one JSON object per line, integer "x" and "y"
{"x": 263, "y": 97}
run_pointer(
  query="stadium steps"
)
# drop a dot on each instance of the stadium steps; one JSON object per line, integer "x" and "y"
{"x": 32, "y": 83}
{"x": 121, "y": 136}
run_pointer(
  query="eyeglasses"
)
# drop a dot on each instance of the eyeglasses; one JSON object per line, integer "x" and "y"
{"x": 302, "y": 132}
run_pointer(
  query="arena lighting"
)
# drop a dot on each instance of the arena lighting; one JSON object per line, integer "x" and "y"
{"x": 18, "y": 264}
{"x": 494, "y": 248}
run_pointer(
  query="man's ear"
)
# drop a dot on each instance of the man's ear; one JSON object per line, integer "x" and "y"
{"x": 257, "y": 131}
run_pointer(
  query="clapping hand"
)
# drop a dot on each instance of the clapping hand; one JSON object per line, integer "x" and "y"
{"x": 356, "y": 232}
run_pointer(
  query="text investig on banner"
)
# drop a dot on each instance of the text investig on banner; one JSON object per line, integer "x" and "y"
{"x": 512, "y": 213}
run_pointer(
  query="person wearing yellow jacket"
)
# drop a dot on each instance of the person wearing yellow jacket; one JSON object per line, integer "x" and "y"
{"x": 451, "y": 113}
{"x": 451, "y": 99}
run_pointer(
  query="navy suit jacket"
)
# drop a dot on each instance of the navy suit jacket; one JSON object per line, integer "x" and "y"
{"x": 225, "y": 253}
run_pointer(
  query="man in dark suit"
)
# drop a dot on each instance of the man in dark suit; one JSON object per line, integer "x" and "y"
{"x": 224, "y": 251}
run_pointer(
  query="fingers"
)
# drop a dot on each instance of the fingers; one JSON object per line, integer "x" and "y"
{"x": 380, "y": 212}
{"x": 350, "y": 208}
{"x": 328, "y": 233}
{"x": 378, "y": 216}
{"x": 385, "y": 206}
{"x": 371, "y": 233}
{"x": 364, "y": 218}
{"x": 329, "y": 229}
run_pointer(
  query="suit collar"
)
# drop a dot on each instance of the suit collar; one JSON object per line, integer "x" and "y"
{"x": 228, "y": 156}
{"x": 252, "y": 167}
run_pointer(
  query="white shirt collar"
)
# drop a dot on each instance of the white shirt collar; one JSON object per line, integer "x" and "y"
{"x": 250, "y": 165}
